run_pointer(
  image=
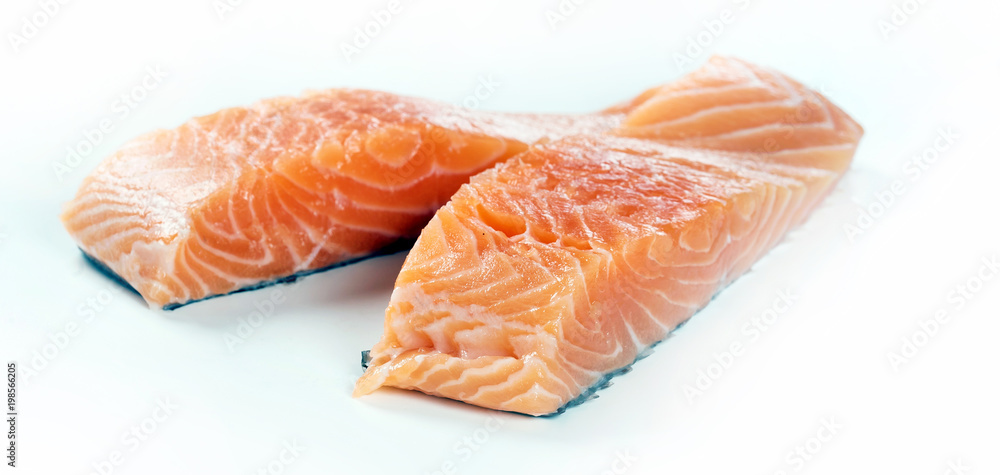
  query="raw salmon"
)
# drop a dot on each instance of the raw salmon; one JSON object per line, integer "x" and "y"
{"x": 250, "y": 195}
{"x": 553, "y": 271}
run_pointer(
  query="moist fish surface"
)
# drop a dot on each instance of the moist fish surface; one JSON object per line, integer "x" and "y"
{"x": 556, "y": 269}
{"x": 252, "y": 195}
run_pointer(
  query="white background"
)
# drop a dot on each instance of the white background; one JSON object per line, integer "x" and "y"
{"x": 855, "y": 300}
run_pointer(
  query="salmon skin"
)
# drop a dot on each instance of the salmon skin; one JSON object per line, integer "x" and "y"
{"x": 255, "y": 195}
{"x": 553, "y": 271}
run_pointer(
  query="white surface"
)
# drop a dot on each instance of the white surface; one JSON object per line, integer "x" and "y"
{"x": 291, "y": 380}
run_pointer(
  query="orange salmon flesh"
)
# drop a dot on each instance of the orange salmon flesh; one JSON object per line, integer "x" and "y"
{"x": 250, "y": 195}
{"x": 559, "y": 267}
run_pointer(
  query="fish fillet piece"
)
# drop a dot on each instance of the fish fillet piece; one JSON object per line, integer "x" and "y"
{"x": 250, "y": 195}
{"x": 548, "y": 274}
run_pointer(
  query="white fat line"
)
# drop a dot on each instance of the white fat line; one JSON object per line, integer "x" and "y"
{"x": 665, "y": 92}
{"x": 649, "y": 314}
{"x": 266, "y": 259}
{"x": 88, "y": 229}
{"x": 703, "y": 113}
{"x": 829, "y": 147}
{"x": 235, "y": 281}
{"x": 535, "y": 392}
{"x": 182, "y": 261}
{"x": 770, "y": 127}
{"x": 237, "y": 231}
{"x": 495, "y": 366}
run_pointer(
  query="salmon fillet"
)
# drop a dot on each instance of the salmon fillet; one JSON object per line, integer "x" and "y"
{"x": 548, "y": 274}
{"x": 250, "y": 195}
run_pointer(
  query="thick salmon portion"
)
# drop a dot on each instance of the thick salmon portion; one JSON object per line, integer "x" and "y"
{"x": 554, "y": 270}
{"x": 249, "y": 195}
